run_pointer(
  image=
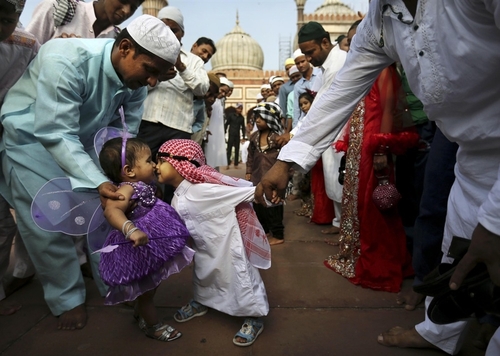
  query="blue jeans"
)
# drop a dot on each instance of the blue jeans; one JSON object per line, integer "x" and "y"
{"x": 429, "y": 225}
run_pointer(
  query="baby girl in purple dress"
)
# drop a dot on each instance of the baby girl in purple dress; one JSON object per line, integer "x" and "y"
{"x": 155, "y": 234}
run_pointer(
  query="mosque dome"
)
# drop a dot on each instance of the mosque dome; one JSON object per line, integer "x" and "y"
{"x": 334, "y": 7}
{"x": 237, "y": 50}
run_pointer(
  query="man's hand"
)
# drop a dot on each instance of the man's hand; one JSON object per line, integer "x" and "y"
{"x": 273, "y": 184}
{"x": 107, "y": 190}
{"x": 283, "y": 139}
{"x": 169, "y": 75}
{"x": 181, "y": 67}
{"x": 485, "y": 248}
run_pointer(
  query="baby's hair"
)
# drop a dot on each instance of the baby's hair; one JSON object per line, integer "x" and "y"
{"x": 110, "y": 157}
{"x": 307, "y": 96}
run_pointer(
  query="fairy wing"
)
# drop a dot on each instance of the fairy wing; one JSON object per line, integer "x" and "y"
{"x": 57, "y": 208}
{"x": 98, "y": 230}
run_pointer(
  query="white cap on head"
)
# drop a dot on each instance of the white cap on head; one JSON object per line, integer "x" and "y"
{"x": 172, "y": 13}
{"x": 265, "y": 86}
{"x": 293, "y": 70}
{"x": 297, "y": 54}
{"x": 154, "y": 36}
{"x": 276, "y": 78}
{"x": 225, "y": 81}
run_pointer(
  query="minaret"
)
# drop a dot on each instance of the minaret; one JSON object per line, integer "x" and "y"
{"x": 300, "y": 13}
{"x": 300, "y": 20}
{"x": 151, "y": 7}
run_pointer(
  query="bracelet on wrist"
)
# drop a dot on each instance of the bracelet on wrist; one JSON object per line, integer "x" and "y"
{"x": 125, "y": 226}
{"x": 130, "y": 232}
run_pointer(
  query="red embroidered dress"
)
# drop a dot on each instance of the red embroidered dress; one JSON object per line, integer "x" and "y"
{"x": 373, "y": 250}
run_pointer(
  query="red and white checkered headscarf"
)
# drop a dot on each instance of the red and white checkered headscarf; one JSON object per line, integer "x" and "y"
{"x": 187, "y": 157}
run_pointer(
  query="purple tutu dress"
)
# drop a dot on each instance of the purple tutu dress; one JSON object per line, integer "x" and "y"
{"x": 131, "y": 271}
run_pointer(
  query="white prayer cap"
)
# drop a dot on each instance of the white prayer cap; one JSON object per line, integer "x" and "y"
{"x": 276, "y": 79}
{"x": 265, "y": 86}
{"x": 154, "y": 36}
{"x": 297, "y": 54}
{"x": 225, "y": 81}
{"x": 172, "y": 13}
{"x": 293, "y": 70}
{"x": 19, "y": 5}
{"x": 231, "y": 84}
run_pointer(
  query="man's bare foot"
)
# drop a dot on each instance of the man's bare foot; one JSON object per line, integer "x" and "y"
{"x": 401, "y": 337}
{"x": 8, "y": 308}
{"x": 275, "y": 241}
{"x": 409, "y": 297}
{"x": 331, "y": 230}
{"x": 75, "y": 318}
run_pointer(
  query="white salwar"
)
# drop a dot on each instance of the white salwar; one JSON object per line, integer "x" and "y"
{"x": 215, "y": 148}
{"x": 223, "y": 277}
{"x": 463, "y": 102}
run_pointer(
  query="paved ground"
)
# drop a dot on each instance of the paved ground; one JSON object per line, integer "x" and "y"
{"x": 313, "y": 312}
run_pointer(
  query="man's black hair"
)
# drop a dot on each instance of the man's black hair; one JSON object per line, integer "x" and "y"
{"x": 205, "y": 40}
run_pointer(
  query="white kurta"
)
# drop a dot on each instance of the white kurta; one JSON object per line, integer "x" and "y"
{"x": 42, "y": 24}
{"x": 223, "y": 277}
{"x": 215, "y": 149}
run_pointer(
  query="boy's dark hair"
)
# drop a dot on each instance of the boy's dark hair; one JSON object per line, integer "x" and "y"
{"x": 110, "y": 156}
{"x": 340, "y": 38}
{"x": 354, "y": 25}
{"x": 138, "y": 48}
{"x": 205, "y": 40}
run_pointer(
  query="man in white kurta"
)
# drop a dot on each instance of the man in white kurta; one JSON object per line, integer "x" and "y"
{"x": 73, "y": 88}
{"x": 315, "y": 43}
{"x": 450, "y": 51}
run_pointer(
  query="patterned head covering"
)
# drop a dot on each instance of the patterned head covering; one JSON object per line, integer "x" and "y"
{"x": 19, "y": 5}
{"x": 151, "y": 34}
{"x": 187, "y": 157}
{"x": 271, "y": 113}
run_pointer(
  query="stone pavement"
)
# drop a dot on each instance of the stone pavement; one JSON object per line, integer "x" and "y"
{"x": 314, "y": 311}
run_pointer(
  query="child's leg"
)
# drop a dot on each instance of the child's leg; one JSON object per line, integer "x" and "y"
{"x": 275, "y": 218}
{"x": 154, "y": 328}
{"x": 250, "y": 330}
{"x": 146, "y": 308}
{"x": 260, "y": 211}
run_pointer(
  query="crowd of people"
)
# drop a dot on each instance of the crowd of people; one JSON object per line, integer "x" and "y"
{"x": 385, "y": 135}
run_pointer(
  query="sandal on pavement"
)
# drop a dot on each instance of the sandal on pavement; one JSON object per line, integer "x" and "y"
{"x": 166, "y": 332}
{"x": 249, "y": 331}
{"x": 189, "y": 311}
